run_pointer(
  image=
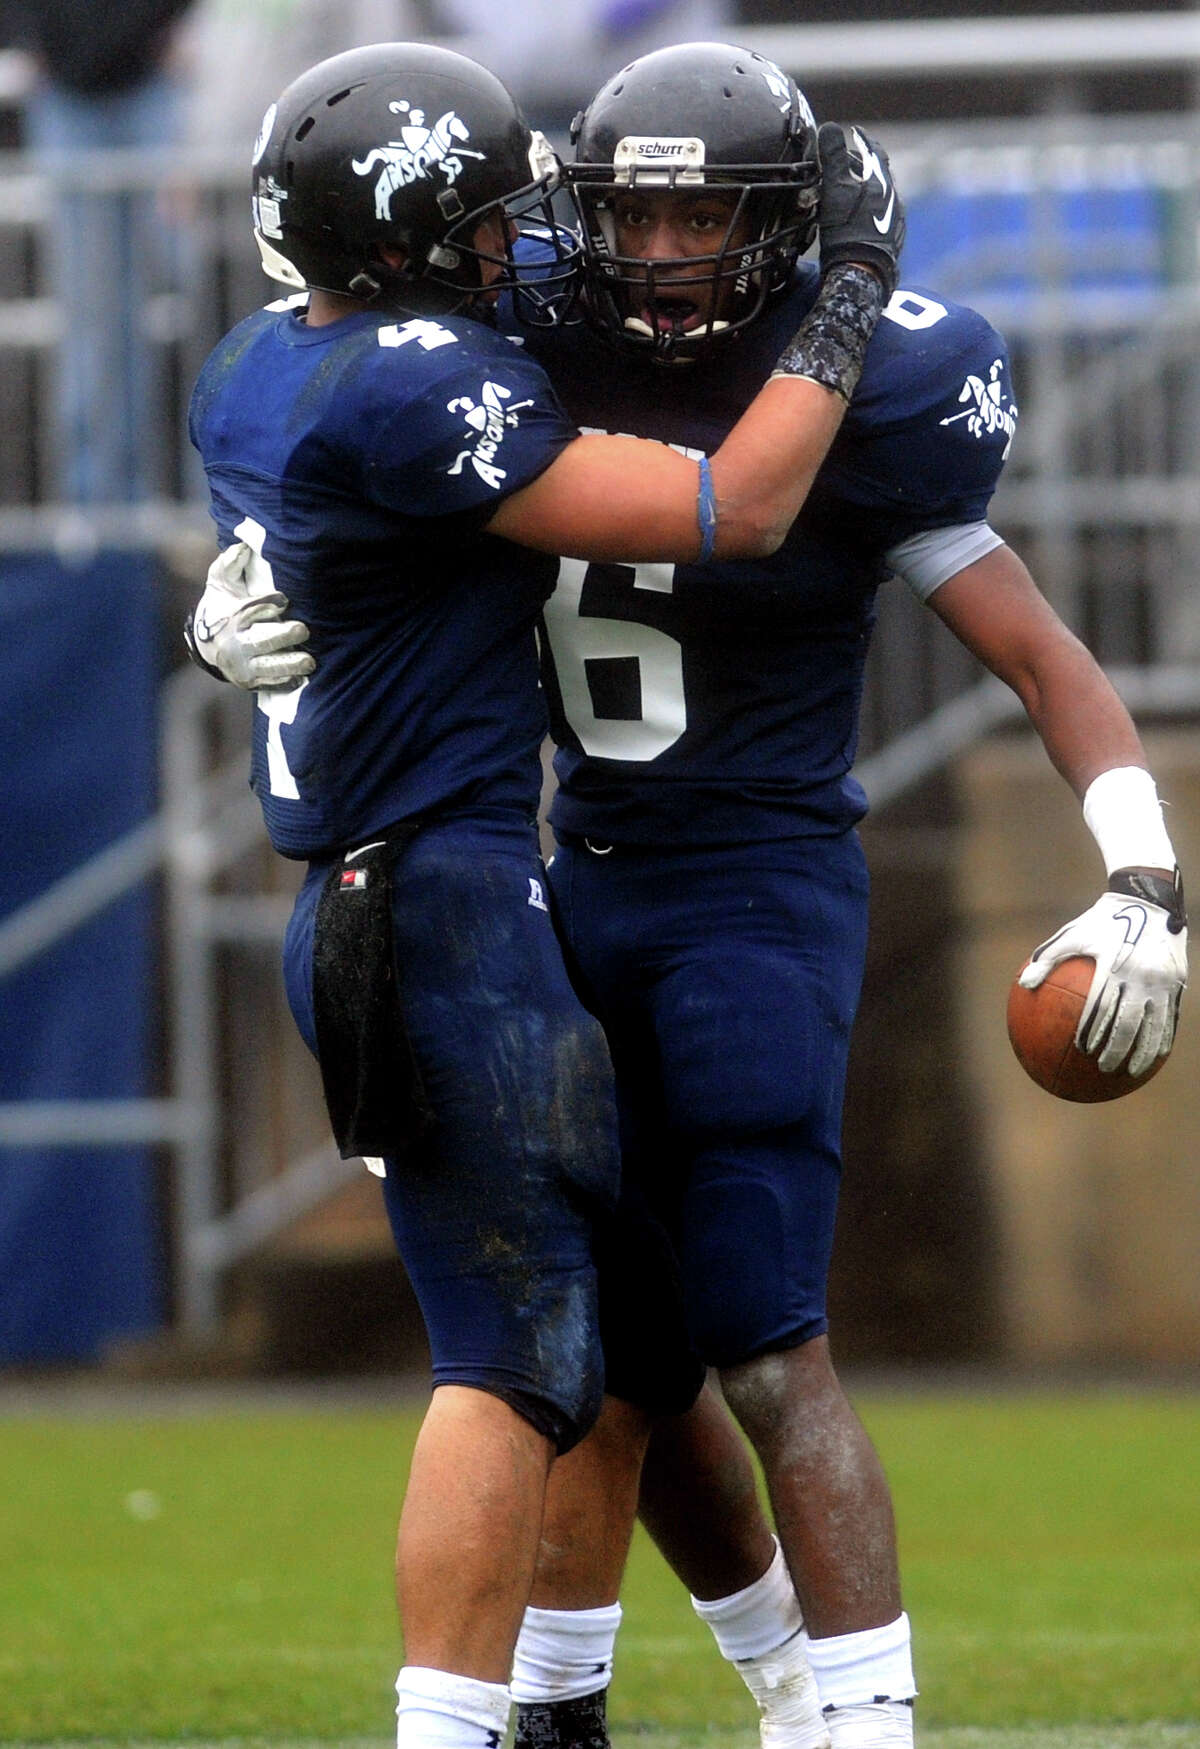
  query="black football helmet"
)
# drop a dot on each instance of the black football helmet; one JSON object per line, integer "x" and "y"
{"x": 408, "y": 147}
{"x": 699, "y": 115}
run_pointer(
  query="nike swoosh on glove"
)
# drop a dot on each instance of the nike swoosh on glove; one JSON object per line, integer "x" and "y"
{"x": 240, "y": 633}
{"x": 861, "y": 217}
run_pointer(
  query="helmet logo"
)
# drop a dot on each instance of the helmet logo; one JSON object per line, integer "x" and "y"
{"x": 784, "y": 91}
{"x": 657, "y": 159}
{"x": 487, "y": 420}
{"x": 418, "y": 152}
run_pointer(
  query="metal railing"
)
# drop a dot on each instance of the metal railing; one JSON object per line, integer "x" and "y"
{"x": 1003, "y": 48}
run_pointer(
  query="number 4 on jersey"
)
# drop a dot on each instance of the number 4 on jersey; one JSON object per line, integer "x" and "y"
{"x": 277, "y": 707}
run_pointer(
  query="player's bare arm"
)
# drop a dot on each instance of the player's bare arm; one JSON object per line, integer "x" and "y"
{"x": 995, "y": 608}
{"x": 628, "y": 498}
{"x": 1136, "y": 932}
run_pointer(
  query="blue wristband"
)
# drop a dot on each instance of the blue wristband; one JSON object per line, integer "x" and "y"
{"x": 706, "y": 512}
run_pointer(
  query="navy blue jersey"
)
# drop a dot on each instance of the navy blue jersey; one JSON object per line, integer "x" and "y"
{"x": 360, "y": 460}
{"x": 719, "y": 703}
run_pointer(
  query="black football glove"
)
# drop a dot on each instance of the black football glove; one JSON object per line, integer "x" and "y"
{"x": 861, "y": 216}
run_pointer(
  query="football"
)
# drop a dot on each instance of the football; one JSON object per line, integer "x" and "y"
{"x": 1041, "y": 1029}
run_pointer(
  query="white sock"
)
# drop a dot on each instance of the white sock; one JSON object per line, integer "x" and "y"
{"x": 866, "y": 1685}
{"x": 748, "y": 1623}
{"x": 563, "y": 1654}
{"x": 883, "y": 1724}
{"x": 437, "y": 1710}
{"x": 761, "y": 1631}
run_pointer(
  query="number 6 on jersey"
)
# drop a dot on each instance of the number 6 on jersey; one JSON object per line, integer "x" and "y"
{"x": 633, "y": 711}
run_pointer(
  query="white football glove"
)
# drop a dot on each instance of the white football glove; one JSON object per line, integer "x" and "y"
{"x": 238, "y": 628}
{"x": 1140, "y": 950}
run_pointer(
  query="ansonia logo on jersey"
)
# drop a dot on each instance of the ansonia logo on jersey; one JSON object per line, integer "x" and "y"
{"x": 989, "y": 409}
{"x": 416, "y": 154}
{"x": 490, "y": 418}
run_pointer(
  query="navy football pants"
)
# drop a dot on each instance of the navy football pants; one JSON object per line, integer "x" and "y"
{"x": 727, "y": 981}
{"x": 493, "y": 1213}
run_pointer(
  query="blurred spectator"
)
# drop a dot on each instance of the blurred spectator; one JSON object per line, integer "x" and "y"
{"x": 552, "y": 54}
{"x": 268, "y": 43}
{"x": 105, "y": 84}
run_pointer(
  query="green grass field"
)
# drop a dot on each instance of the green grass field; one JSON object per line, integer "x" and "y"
{"x": 225, "y": 1578}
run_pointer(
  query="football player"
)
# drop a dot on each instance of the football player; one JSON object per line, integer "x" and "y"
{"x": 710, "y": 883}
{"x": 375, "y": 452}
